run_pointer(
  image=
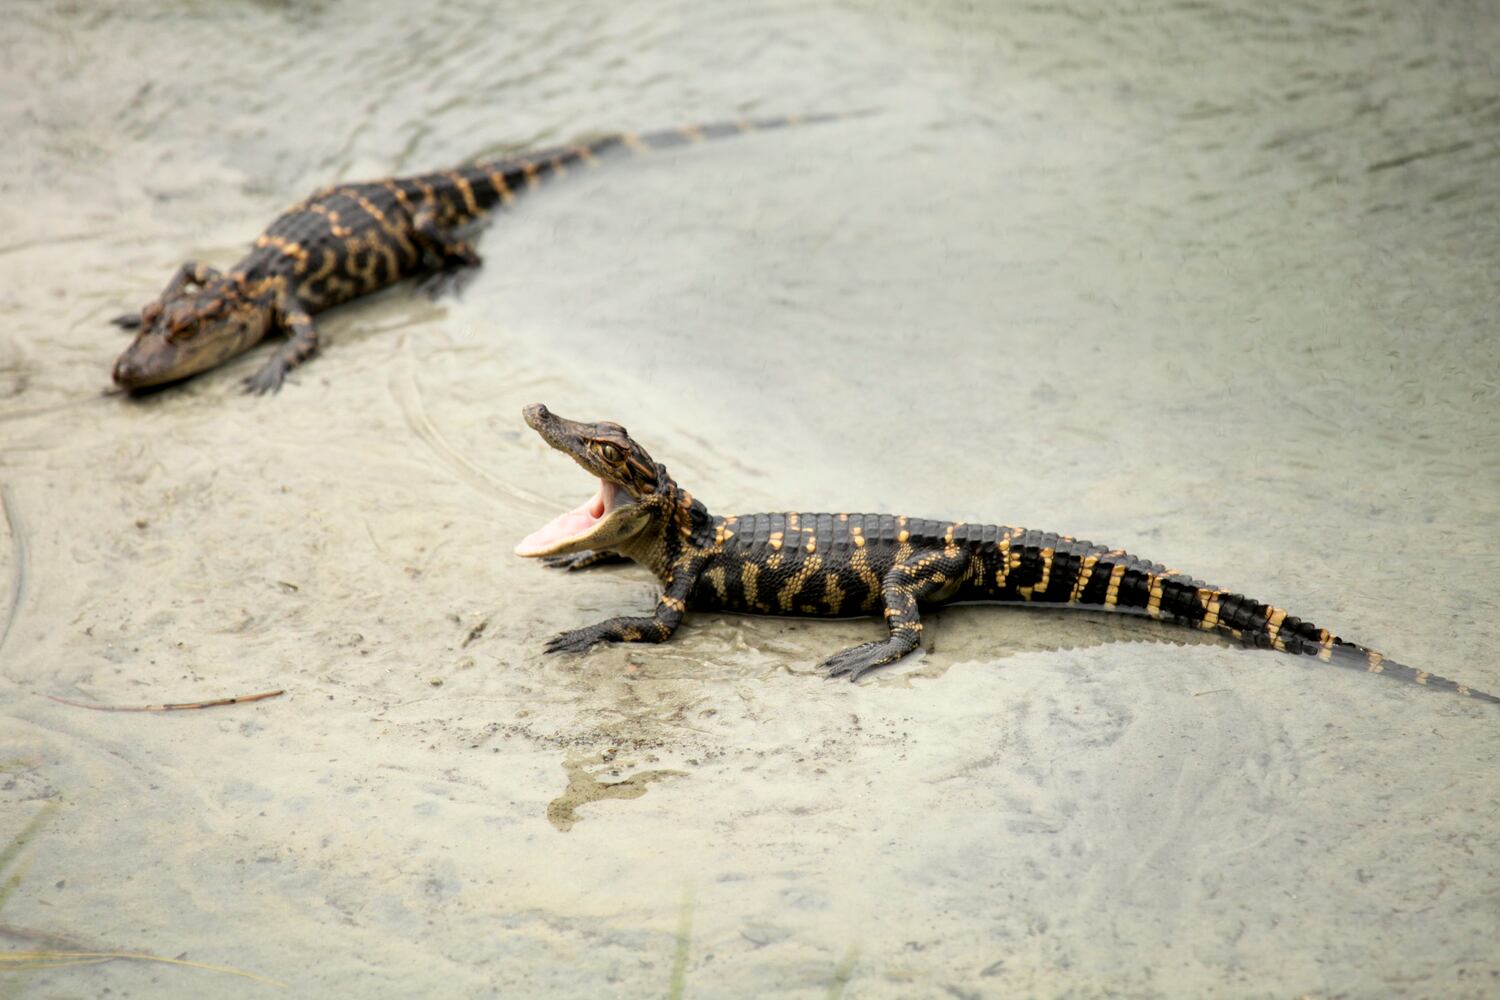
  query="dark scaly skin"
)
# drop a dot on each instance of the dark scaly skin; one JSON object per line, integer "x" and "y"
{"x": 349, "y": 240}
{"x": 842, "y": 565}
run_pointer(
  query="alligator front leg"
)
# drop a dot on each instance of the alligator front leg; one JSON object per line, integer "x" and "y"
{"x": 191, "y": 272}
{"x": 656, "y": 628}
{"x": 300, "y": 345}
{"x": 920, "y": 576}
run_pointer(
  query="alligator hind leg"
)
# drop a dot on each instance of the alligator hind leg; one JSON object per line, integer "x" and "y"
{"x": 452, "y": 260}
{"x": 908, "y": 583}
{"x": 191, "y": 272}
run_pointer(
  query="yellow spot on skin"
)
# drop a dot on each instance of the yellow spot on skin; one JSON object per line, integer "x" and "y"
{"x": 1273, "y": 623}
{"x": 371, "y": 208}
{"x": 715, "y": 577}
{"x": 750, "y": 578}
{"x": 1112, "y": 593}
{"x": 859, "y": 561}
{"x": 812, "y": 543}
{"x": 559, "y": 166}
{"x": 464, "y": 188}
{"x": 859, "y": 541}
{"x": 1210, "y": 600}
{"x": 1003, "y": 547}
{"x": 531, "y": 179}
{"x": 1462, "y": 689}
{"x": 673, "y": 603}
{"x": 1153, "y": 606}
{"x": 775, "y": 540}
{"x": 833, "y": 593}
{"x": 798, "y": 579}
{"x": 843, "y": 517}
{"x": 289, "y": 247}
{"x": 903, "y": 537}
{"x": 497, "y": 181}
{"x": 1047, "y": 557}
{"x": 1084, "y": 571}
{"x": 1273, "y": 629}
{"x": 263, "y": 241}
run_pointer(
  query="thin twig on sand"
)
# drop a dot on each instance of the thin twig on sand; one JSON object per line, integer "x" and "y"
{"x": 174, "y": 707}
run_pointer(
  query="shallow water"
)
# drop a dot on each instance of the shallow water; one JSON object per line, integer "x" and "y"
{"x": 1207, "y": 281}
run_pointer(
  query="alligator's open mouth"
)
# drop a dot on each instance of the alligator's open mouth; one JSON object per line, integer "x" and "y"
{"x": 577, "y": 526}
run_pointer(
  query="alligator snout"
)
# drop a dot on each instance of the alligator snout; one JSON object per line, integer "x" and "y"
{"x": 535, "y": 415}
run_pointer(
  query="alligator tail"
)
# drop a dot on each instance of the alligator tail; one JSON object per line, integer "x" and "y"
{"x": 489, "y": 182}
{"x": 1043, "y": 567}
{"x": 1172, "y": 597}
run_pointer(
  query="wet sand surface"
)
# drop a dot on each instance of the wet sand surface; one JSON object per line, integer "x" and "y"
{"x": 1208, "y": 282}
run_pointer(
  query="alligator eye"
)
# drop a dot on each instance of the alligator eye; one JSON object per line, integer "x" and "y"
{"x": 610, "y": 453}
{"x": 178, "y": 331}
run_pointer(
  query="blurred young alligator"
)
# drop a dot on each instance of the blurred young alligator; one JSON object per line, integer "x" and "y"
{"x": 349, "y": 240}
{"x": 842, "y": 565}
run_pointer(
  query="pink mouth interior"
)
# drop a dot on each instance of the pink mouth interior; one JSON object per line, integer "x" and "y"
{"x": 566, "y": 527}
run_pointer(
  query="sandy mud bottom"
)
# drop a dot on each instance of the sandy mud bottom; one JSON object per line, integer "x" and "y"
{"x": 1210, "y": 283}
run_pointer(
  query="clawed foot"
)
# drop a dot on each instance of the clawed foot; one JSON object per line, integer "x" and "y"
{"x": 857, "y": 661}
{"x": 578, "y": 640}
{"x": 268, "y": 379}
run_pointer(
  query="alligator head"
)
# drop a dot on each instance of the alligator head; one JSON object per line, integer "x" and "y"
{"x": 191, "y": 332}
{"x": 637, "y": 499}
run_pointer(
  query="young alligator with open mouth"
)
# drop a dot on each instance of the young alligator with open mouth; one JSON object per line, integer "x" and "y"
{"x": 842, "y": 565}
{"x": 348, "y": 240}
